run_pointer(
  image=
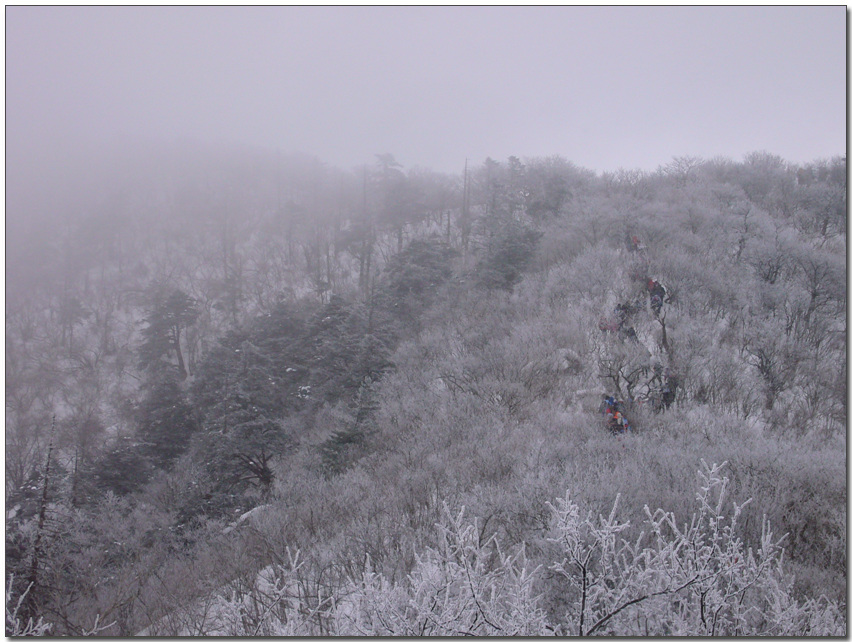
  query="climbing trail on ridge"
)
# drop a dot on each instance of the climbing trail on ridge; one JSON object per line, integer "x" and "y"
{"x": 647, "y": 381}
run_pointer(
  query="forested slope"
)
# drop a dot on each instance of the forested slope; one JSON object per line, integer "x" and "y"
{"x": 251, "y": 394}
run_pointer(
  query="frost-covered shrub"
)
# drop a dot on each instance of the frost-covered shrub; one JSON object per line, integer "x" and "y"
{"x": 684, "y": 578}
{"x": 17, "y": 625}
{"x": 694, "y": 577}
{"x": 463, "y": 586}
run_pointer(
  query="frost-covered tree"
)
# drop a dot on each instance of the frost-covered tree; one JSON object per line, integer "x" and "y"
{"x": 171, "y": 313}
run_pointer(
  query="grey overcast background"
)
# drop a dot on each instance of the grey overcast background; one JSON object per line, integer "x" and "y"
{"x": 604, "y": 87}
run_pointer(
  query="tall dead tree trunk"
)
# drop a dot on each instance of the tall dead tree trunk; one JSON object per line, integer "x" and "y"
{"x": 30, "y": 607}
{"x": 465, "y": 215}
{"x": 366, "y": 244}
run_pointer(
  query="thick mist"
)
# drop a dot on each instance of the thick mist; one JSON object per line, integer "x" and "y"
{"x": 604, "y": 87}
{"x": 93, "y": 91}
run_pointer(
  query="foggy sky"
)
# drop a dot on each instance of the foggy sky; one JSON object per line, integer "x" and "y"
{"x": 603, "y": 87}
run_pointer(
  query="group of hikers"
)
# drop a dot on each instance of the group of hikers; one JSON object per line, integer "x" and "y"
{"x": 663, "y": 385}
{"x": 613, "y": 415}
{"x": 662, "y": 389}
{"x": 619, "y": 320}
